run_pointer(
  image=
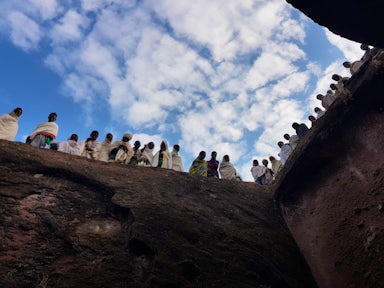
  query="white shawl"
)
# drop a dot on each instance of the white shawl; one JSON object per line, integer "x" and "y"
{"x": 8, "y": 126}
{"x": 227, "y": 171}
{"x": 177, "y": 162}
{"x": 105, "y": 149}
{"x": 70, "y": 147}
{"x": 91, "y": 149}
{"x": 47, "y": 128}
{"x": 122, "y": 156}
{"x": 167, "y": 158}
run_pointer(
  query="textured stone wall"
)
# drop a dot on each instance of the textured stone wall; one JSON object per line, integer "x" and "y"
{"x": 332, "y": 192}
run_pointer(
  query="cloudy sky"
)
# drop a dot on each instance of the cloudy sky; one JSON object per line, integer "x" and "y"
{"x": 229, "y": 76}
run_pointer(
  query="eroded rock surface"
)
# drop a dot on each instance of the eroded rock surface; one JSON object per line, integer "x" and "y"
{"x": 67, "y": 221}
{"x": 332, "y": 190}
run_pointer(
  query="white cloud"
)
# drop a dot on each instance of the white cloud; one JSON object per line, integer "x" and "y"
{"x": 69, "y": 28}
{"x": 350, "y": 49}
{"x": 47, "y": 9}
{"x": 25, "y": 32}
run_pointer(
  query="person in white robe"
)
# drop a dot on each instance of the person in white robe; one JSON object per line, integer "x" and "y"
{"x": 320, "y": 113}
{"x": 122, "y": 150}
{"x": 353, "y": 67}
{"x": 146, "y": 156}
{"x": 92, "y": 146}
{"x": 227, "y": 170}
{"x": 285, "y": 152}
{"x": 177, "y": 162}
{"x": 71, "y": 146}
{"x": 293, "y": 140}
{"x": 44, "y": 133}
{"x": 162, "y": 158}
{"x": 136, "y": 153}
{"x": 9, "y": 124}
{"x": 105, "y": 148}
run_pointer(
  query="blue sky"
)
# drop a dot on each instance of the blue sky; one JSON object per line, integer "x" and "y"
{"x": 207, "y": 75}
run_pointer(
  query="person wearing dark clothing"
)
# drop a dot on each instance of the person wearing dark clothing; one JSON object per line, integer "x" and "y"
{"x": 301, "y": 129}
{"x": 212, "y": 166}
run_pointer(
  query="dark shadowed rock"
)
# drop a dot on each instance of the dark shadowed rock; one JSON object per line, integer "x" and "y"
{"x": 332, "y": 188}
{"x": 357, "y": 20}
{"x": 67, "y": 221}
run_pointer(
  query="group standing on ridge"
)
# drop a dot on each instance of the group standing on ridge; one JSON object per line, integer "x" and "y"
{"x": 337, "y": 90}
{"x": 121, "y": 151}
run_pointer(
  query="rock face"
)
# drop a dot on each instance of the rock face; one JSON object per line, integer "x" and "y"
{"x": 353, "y": 19}
{"x": 67, "y": 221}
{"x": 332, "y": 191}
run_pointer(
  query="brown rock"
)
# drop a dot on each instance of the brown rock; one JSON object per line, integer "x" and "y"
{"x": 68, "y": 221}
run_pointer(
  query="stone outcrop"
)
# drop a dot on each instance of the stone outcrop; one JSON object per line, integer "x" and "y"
{"x": 331, "y": 192}
{"x": 353, "y": 19}
{"x": 67, "y": 221}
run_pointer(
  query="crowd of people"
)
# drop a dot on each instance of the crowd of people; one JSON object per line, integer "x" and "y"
{"x": 336, "y": 90}
{"x": 121, "y": 151}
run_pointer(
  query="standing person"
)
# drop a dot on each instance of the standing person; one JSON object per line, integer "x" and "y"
{"x": 285, "y": 152}
{"x": 268, "y": 173}
{"x": 92, "y": 146}
{"x": 258, "y": 173}
{"x": 177, "y": 162}
{"x": 162, "y": 158}
{"x": 312, "y": 119}
{"x": 292, "y": 139}
{"x": 136, "y": 153}
{"x": 301, "y": 129}
{"x": 199, "y": 165}
{"x": 44, "y": 133}
{"x": 213, "y": 166}
{"x": 227, "y": 170}
{"x": 146, "y": 156}
{"x": 105, "y": 148}
{"x": 9, "y": 124}
{"x": 276, "y": 166}
{"x": 320, "y": 113}
{"x": 122, "y": 151}
{"x": 353, "y": 67}
{"x": 71, "y": 146}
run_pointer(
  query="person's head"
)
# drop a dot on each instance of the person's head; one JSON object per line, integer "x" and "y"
{"x": 226, "y": 158}
{"x": 74, "y": 137}
{"x": 295, "y": 125}
{"x": 151, "y": 145}
{"x": 280, "y": 144}
{"x": 265, "y": 162}
{"x": 52, "y": 117}
{"x": 317, "y": 109}
{"x": 255, "y": 163}
{"x": 176, "y": 147}
{"x": 312, "y": 118}
{"x": 109, "y": 137}
{"x": 333, "y": 86}
{"x": 336, "y": 77}
{"x": 201, "y": 155}
{"x": 319, "y": 96}
{"x": 347, "y": 64}
{"x": 126, "y": 137}
{"x": 329, "y": 92}
{"x": 213, "y": 154}
{"x": 18, "y": 111}
{"x": 94, "y": 135}
{"x": 271, "y": 158}
{"x": 286, "y": 136}
{"x": 137, "y": 144}
{"x": 163, "y": 146}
